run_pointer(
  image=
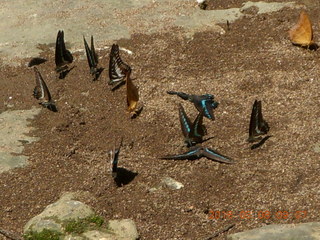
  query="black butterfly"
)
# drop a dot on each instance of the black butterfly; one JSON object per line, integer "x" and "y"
{"x": 62, "y": 56}
{"x": 118, "y": 70}
{"x": 193, "y": 132}
{"x": 258, "y": 126}
{"x": 93, "y": 60}
{"x": 203, "y": 103}
{"x": 197, "y": 152}
{"x": 41, "y": 92}
{"x": 36, "y": 61}
{"x": 114, "y": 159}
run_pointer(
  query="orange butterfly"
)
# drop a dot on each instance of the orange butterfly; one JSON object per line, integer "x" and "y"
{"x": 301, "y": 34}
{"x": 132, "y": 96}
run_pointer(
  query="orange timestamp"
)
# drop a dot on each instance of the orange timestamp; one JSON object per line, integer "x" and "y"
{"x": 261, "y": 214}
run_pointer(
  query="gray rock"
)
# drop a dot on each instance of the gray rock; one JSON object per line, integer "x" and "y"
{"x": 303, "y": 231}
{"x": 124, "y": 229}
{"x": 171, "y": 183}
{"x": 64, "y": 209}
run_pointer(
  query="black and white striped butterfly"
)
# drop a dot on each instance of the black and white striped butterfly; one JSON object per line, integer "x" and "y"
{"x": 63, "y": 57}
{"x": 258, "y": 126}
{"x": 118, "y": 70}
{"x": 193, "y": 132}
{"x": 93, "y": 60}
{"x": 197, "y": 152}
{"x": 41, "y": 92}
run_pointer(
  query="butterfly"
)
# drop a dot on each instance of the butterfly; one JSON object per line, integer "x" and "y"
{"x": 203, "y": 103}
{"x": 132, "y": 97}
{"x": 198, "y": 152}
{"x": 301, "y": 34}
{"x": 258, "y": 126}
{"x": 118, "y": 70}
{"x": 114, "y": 154}
{"x": 62, "y": 56}
{"x": 193, "y": 132}
{"x": 93, "y": 60}
{"x": 41, "y": 92}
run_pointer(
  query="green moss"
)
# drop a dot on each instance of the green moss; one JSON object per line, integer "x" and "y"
{"x": 81, "y": 225}
{"x": 45, "y": 234}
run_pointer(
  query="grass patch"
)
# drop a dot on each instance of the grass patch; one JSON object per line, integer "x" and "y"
{"x": 79, "y": 226}
{"x": 45, "y": 234}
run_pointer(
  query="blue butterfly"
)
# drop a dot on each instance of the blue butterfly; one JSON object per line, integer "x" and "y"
{"x": 193, "y": 132}
{"x": 203, "y": 103}
{"x": 198, "y": 152}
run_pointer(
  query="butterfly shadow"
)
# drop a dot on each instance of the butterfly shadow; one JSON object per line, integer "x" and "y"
{"x": 124, "y": 176}
{"x": 313, "y": 46}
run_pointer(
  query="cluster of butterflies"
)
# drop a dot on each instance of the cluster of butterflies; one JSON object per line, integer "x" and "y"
{"x": 119, "y": 73}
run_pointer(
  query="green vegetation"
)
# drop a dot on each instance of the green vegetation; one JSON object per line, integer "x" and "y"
{"x": 44, "y": 235}
{"x": 81, "y": 225}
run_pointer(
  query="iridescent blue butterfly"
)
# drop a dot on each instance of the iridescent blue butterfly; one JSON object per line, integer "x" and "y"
{"x": 258, "y": 126}
{"x": 203, "y": 103}
{"x": 63, "y": 57}
{"x": 93, "y": 59}
{"x": 197, "y": 152}
{"x": 192, "y": 132}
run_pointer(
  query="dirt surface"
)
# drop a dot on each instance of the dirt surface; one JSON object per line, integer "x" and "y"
{"x": 253, "y": 60}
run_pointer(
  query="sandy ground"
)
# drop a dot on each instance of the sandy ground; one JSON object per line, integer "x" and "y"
{"x": 252, "y": 60}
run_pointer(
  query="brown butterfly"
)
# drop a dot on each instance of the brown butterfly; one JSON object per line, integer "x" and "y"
{"x": 132, "y": 96}
{"x": 117, "y": 68}
{"x": 41, "y": 92}
{"x": 301, "y": 34}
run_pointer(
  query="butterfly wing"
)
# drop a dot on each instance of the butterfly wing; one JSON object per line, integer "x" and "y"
{"x": 197, "y": 129}
{"x": 115, "y": 159}
{"x": 41, "y": 90}
{"x": 215, "y": 156}
{"x": 301, "y": 33}
{"x": 66, "y": 54}
{"x": 192, "y": 154}
{"x": 132, "y": 94}
{"x": 58, "y": 53}
{"x": 253, "y": 127}
{"x": 36, "y": 61}
{"x": 89, "y": 54}
{"x": 263, "y": 126}
{"x": 94, "y": 54}
{"x": 185, "y": 122}
{"x": 117, "y": 68}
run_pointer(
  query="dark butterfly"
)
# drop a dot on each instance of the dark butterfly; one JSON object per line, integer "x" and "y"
{"x": 193, "y": 132}
{"x": 258, "y": 126}
{"x": 41, "y": 92}
{"x": 118, "y": 70}
{"x": 36, "y": 61}
{"x": 198, "y": 152}
{"x": 114, "y": 159}
{"x": 62, "y": 56}
{"x": 93, "y": 60}
{"x": 203, "y": 103}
